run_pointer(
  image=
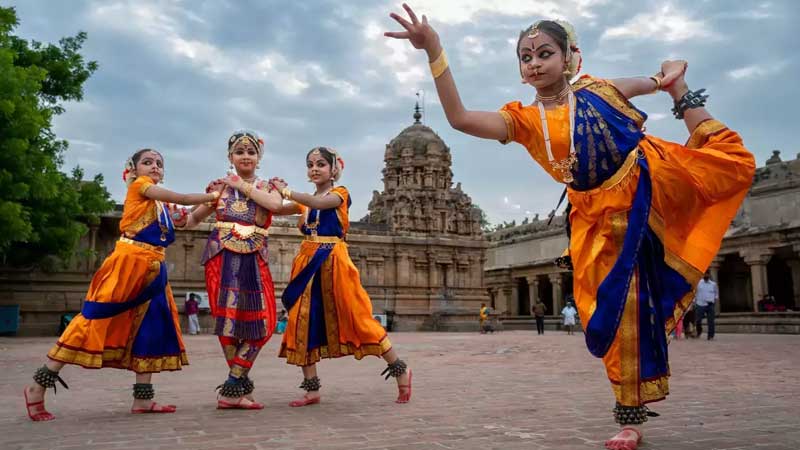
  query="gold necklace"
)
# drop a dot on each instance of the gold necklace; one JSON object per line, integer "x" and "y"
{"x": 240, "y": 206}
{"x": 313, "y": 226}
{"x": 552, "y": 98}
{"x": 163, "y": 226}
{"x": 565, "y": 165}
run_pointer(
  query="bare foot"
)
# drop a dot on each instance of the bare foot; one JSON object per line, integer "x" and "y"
{"x": 627, "y": 439}
{"x": 404, "y": 387}
{"x": 34, "y": 403}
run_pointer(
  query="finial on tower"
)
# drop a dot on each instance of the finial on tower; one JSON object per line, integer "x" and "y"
{"x": 417, "y": 114}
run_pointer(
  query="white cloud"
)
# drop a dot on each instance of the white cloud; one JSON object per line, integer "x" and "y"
{"x": 665, "y": 25}
{"x": 657, "y": 116}
{"x": 761, "y": 12}
{"x": 155, "y": 23}
{"x": 397, "y": 57}
{"x": 454, "y": 12}
{"x": 756, "y": 70}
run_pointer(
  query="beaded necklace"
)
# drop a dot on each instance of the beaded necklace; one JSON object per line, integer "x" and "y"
{"x": 165, "y": 224}
{"x": 315, "y": 225}
{"x": 564, "y": 166}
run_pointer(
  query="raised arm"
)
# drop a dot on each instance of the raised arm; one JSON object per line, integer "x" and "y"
{"x": 269, "y": 199}
{"x": 671, "y": 72}
{"x": 183, "y": 218}
{"x": 165, "y": 195}
{"x": 483, "y": 124}
{"x": 633, "y": 87}
{"x": 327, "y": 201}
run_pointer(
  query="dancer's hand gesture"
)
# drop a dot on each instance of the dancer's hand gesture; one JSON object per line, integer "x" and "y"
{"x": 278, "y": 183}
{"x": 180, "y": 216}
{"x": 673, "y": 72}
{"x": 420, "y": 34}
{"x": 234, "y": 181}
{"x": 215, "y": 185}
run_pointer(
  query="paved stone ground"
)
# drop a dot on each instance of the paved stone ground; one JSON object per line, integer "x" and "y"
{"x": 513, "y": 390}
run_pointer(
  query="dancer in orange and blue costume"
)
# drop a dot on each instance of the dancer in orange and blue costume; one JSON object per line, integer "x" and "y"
{"x": 330, "y": 313}
{"x": 238, "y": 280}
{"x": 646, "y": 216}
{"x": 129, "y": 319}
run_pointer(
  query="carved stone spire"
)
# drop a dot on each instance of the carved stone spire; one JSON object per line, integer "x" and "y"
{"x": 418, "y": 194}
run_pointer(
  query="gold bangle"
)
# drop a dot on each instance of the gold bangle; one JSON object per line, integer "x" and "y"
{"x": 247, "y": 189}
{"x": 657, "y": 80}
{"x": 439, "y": 65}
{"x": 213, "y": 202}
{"x": 286, "y": 193}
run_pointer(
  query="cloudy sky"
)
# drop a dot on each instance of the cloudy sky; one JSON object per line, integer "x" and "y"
{"x": 181, "y": 75}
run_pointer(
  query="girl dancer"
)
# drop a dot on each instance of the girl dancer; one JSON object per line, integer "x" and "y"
{"x": 129, "y": 319}
{"x": 330, "y": 313}
{"x": 238, "y": 280}
{"x": 647, "y": 216}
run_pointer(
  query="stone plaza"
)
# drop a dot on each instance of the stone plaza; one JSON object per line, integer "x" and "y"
{"x": 506, "y": 391}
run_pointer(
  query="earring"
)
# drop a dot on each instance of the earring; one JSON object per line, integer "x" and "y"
{"x": 230, "y": 167}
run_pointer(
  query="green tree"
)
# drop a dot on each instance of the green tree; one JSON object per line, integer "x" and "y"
{"x": 43, "y": 211}
{"x": 486, "y": 226}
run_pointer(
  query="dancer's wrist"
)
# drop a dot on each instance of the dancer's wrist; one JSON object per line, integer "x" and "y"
{"x": 678, "y": 89}
{"x": 434, "y": 50}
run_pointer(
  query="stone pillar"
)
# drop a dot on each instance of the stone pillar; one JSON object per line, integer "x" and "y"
{"x": 506, "y": 294}
{"x": 479, "y": 269}
{"x": 403, "y": 269}
{"x": 794, "y": 265}
{"x": 757, "y": 259}
{"x": 716, "y": 263}
{"x": 514, "y": 303}
{"x": 283, "y": 274}
{"x": 558, "y": 293}
{"x": 533, "y": 290}
{"x": 431, "y": 272}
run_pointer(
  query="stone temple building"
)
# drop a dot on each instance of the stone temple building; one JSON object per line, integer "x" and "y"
{"x": 759, "y": 257}
{"x": 420, "y": 250}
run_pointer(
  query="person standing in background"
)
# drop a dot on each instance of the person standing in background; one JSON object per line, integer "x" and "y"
{"x": 192, "y": 307}
{"x": 705, "y": 297}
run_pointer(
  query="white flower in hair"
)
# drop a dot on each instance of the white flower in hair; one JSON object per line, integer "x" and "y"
{"x": 572, "y": 36}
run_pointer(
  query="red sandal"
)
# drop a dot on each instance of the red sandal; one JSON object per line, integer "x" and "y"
{"x": 222, "y": 404}
{"x": 305, "y": 402}
{"x": 625, "y": 444}
{"x": 163, "y": 409}
{"x": 42, "y": 415}
{"x": 401, "y": 397}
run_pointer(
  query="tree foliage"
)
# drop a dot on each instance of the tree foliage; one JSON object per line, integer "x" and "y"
{"x": 43, "y": 211}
